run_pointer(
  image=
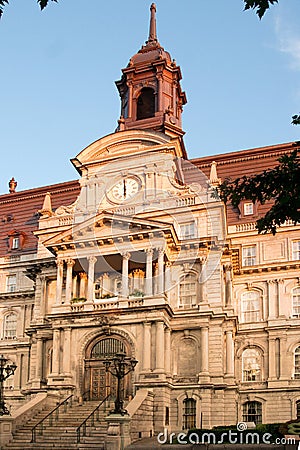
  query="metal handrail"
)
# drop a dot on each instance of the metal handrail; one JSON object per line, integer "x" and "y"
{"x": 50, "y": 417}
{"x": 83, "y": 425}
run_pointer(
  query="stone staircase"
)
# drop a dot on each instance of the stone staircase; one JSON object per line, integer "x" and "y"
{"x": 61, "y": 433}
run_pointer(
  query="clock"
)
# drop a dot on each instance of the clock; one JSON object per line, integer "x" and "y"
{"x": 125, "y": 189}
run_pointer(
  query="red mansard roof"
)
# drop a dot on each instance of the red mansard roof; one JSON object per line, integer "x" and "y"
{"x": 236, "y": 164}
{"x": 19, "y": 212}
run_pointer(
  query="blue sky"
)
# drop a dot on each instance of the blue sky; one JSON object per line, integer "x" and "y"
{"x": 58, "y": 68}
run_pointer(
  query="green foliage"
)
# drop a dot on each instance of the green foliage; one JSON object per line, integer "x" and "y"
{"x": 137, "y": 293}
{"x": 281, "y": 185}
{"x": 108, "y": 296}
{"x": 261, "y": 6}
{"x": 42, "y": 3}
{"x": 78, "y": 300}
{"x": 296, "y": 119}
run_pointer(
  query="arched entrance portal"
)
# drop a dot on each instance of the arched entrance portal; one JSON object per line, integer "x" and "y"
{"x": 98, "y": 382}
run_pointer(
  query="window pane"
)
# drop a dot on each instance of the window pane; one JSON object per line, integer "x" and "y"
{"x": 10, "y": 326}
{"x": 297, "y": 364}
{"x": 296, "y": 302}
{"x": 251, "y": 307}
{"x": 249, "y": 255}
{"x": 296, "y": 250}
{"x": 11, "y": 283}
{"x": 187, "y": 291}
{"x": 252, "y": 412}
{"x": 251, "y": 362}
{"x": 189, "y": 414}
{"x": 187, "y": 230}
{"x": 248, "y": 209}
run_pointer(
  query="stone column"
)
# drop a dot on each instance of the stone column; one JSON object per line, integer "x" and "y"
{"x": 74, "y": 287}
{"x": 160, "y": 94}
{"x": 39, "y": 358}
{"x": 168, "y": 277}
{"x": 272, "y": 359}
{"x": 125, "y": 264}
{"x": 203, "y": 293}
{"x": 130, "y": 100}
{"x": 228, "y": 284}
{"x": 272, "y": 301}
{"x": 160, "y": 262}
{"x": 204, "y": 351}
{"x": 82, "y": 286}
{"x": 160, "y": 347}
{"x": 69, "y": 281}
{"x": 59, "y": 280}
{"x": 67, "y": 351}
{"x": 56, "y": 351}
{"x": 149, "y": 276}
{"x": 91, "y": 275}
{"x": 229, "y": 354}
{"x": 147, "y": 347}
{"x": 168, "y": 351}
{"x": 281, "y": 310}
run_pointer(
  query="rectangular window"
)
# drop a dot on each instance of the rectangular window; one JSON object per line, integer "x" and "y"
{"x": 248, "y": 209}
{"x": 11, "y": 283}
{"x": 249, "y": 255}
{"x": 296, "y": 250}
{"x": 15, "y": 243}
{"x": 188, "y": 230}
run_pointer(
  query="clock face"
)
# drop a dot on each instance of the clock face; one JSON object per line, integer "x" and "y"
{"x": 125, "y": 189}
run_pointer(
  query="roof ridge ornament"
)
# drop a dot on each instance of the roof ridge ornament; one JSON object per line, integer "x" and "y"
{"x": 152, "y": 39}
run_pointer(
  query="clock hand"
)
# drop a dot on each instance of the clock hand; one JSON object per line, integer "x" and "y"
{"x": 124, "y": 185}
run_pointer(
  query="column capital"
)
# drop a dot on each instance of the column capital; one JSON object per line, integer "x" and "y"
{"x": 168, "y": 264}
{"x": 82, "y": 275}
{"x": 160, "y": 250}
{"x": 70, "y": 262}
{"x": 92, "y": 259}
{"x": 59, "y": 262}
{"x": 126, "y": 255}
{"x": 227, "y": 267}
{"x": 149, "y": 251}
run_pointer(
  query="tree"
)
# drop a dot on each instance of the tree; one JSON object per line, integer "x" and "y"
{"x": 42, "y": 4}
{"x": 280, "y": 185}
{"x": 261, "y": 6}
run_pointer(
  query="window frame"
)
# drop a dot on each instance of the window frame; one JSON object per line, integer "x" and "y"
{"x": 297, "y": 363}
{"x": 256, "y": 416}
{"x": 255, "y": 313}
{"x": 296, "y": 303}
{"x": 246, "y": 373}
{"x": 296, "y": 251}
{"x": 250, "y": 211}
{"x": 192, "y": 294}
{"x": 7, "y": 331}
{"x": 187, "y": 230}
{"x": 189, "y": 415}
{"x": 251, "y": 259}
{"x": 11, "y": 287}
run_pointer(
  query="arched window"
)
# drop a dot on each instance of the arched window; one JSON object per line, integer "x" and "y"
{"x": 189, "y": 414}
{"x": 188, "y": 291}
{"x": 251, "y": 311}
{"x": 297, "y": 364}
{"x": 251, "y": 365}
{"x": 298, "y": 409}
{"x": 10, "y": 326}
{"x": 296, "y": 301}
{"x": 107, "y": 347}
{"x": 146, "y": 104}
{"x": 252, "y": 412}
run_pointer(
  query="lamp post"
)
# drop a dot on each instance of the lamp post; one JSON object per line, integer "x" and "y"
{"x": 119, "y": 366}
{"x": 6, "y": 370}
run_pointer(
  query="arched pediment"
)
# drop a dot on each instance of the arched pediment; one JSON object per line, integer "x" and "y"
{"x": 123, "y": 144}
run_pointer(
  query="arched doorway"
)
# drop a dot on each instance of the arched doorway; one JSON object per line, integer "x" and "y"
{"x": 98, "y": 382}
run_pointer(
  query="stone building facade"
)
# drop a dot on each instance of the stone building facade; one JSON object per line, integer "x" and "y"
{"x": 139, "y": 256}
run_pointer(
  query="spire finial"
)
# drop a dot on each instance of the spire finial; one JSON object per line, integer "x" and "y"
{"x": 152, "y": 29}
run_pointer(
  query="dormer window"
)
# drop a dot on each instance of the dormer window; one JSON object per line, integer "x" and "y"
{"x": 15, "y": 243}
{"x": 248, "y": 209}
{"x": 15, "y": 240}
